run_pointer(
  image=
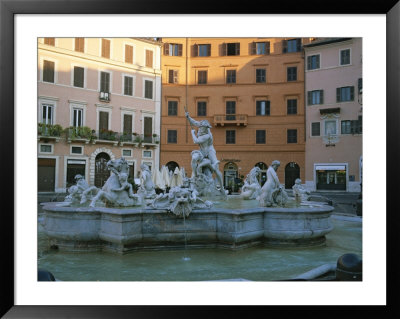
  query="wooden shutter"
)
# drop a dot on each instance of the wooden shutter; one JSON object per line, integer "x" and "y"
{"x": 267, "y": 47}
{"x": 79, "y": 44}
{"x": 337, "y": 94}
{"x": 166, "y": 49}
{"x": 208, "y": 49}
{"x": 104, "y": 82}
{"x": 195, "y": 50}
{"x": 149, "y": 58}
{"x": 237, "y": 48}
{"x": 127, "y": 124}
{"x": 284, "y": 46}
{"x": 224, "y": 49}
{"x": 352, "y": 93}
{"x": 253, "y": 48}
{"x": 103, "y": 121}
{"x": 175, "y": 75}
{"x": 309, "y": 59}
{"x": 128, "y": 54}
{"x": 309, "y": 98}
{"x": 298, "y": 45}
{"x": 48, "y": 71}
{"x": 171, "y": 76}
{"x": 50, "y": 41}
{"x": 317, "y": 65}
{"x": 105, "y": 48}
{"x": 268, "y": 110}
{"x": 78, "y": 76}
{"x": 179, "y": 49}
{"x": 321, "y": 96}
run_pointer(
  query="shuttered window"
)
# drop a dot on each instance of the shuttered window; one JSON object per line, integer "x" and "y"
{"x": 293, "y": 45}
{"x": 79, "y": 44}
{"x": 50, "y": 41}
{"x": 173, "y": 49}
{"x": 345, "y": 94}
{"x": 313, "y": 62}
{"x": 103, "y": 121}
{"x": 105, "y": 82}
{"x": 79, "y": 76}
{"x": 260, "y": 48}
{"x": 48, "y": 71}
{"x": 149, "y": 58}
{"x": 148, "y": 89}
{"x": 129, "y": 54}
{"x": 345, "y": 57}
{"x": 263, "y": 107}
{"x": 128, "y": 85}
{"x": 172, "y": 76}
{"x": 230, "y": 49}
{"x": 127, "y": 124}
{"x": 105, "y": 48}
{"x": 315, "y": 97}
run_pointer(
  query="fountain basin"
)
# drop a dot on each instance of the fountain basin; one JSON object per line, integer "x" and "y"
{"x": 137, "y": 228}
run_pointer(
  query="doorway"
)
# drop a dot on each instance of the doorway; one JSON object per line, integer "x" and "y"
{"x": 101, "y": 172}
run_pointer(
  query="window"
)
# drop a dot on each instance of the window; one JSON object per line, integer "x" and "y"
{"x": 50, "y": 41}
{"x": 231, "y": 49}
{"x": 263, "y": 107}
{"x": 260, "y": 48}
{"x": 173, "y": 49}
{"x": 79, "y": 76}
{"x": 345, "y": 94}
{"x": 80, "y": 45}
{"x": 315, "y": 97}
{"x": 292, "y": 136}
{"x": 230, "y": 137}
{"x": 128, "y": 54}
{"x": 172, "y": 108}
{"x": 147, "y": 154}
{"x": 172, "y": 137}
{"x": 48, "y": 71}
{"x": 346, "y": 127}
{"x": 104, "y": 82}
{"x": 292, "y": 106}
{"x": 172, "y": 76}
{"x": 103, "y": 121}
{"x": 46, "y": 148}
{"x": 202, "y": 77}
{"x": 77, "y": 150}
{"x": 345, "y": 57}
{"x": 204, "y": 49}
{"x": 201, "y": 108}
{"x": 47, "y": 113}
{"x": 128, "y": 85}
{"x": 127, "y": 153}
{"x": 330, "y": 127}
{"x": 105, "y": 48}
{"x": 260, "y": 137}
{"x": 315, "y": 129}
{"x": 313, "y": 62}
{"x": 148, "y": 89}
{"x": 127, "y": 126}
{"x": 77, "y": 117}
{"x": 293, "y": 45}
{"x": 292, "y": 73}
{"x": 230, "y": 110}
{"x": 231, "y": 76}
{"x": 149, "y": 58}
{"x": 261, "y": 75}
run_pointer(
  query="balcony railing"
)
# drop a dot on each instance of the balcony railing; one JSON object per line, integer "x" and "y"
{"x": 230, "y": 119}
{"x": 80, "y": 134}
{"x": 49, "y": 131}
{"x": 105, "y": 96}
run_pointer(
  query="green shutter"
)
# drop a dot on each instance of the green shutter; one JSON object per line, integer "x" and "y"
{"x": 337, "y": 94}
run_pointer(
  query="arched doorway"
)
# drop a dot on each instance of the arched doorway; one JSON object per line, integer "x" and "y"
{"x": 101, "y": 173}
{"x": 230, "y": 175}
{"x": 262, "y": 178}
{"x": 172, "y": 165}
{"x": 292, "y": 171}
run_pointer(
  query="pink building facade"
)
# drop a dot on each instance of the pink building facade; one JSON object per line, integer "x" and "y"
{"x": 98, "y": 99}
{"x": 333, "y": 88}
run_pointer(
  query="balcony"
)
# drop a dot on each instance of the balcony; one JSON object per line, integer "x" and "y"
{"x": 230, "y": 119}
{"x": 105, "y": 137}
{"x": 82, "y": 134}
{"x": 49, "y": 132}
{"x": 105, "y": 96}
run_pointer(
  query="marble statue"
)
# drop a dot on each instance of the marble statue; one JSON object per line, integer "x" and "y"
{"x": 181, "y": 200}
{"x": 251, "y": 188}
{"x": 76, "y": 192}
{"x": 299, "y": 192}
{"x": 272, "y": 193}
{"x": 117, "y": 192}
{"x": 204, "y": 161}
{"x": 147, "y": 187}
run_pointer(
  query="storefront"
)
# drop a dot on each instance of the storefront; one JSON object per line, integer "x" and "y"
{"x": 331, "y": 177}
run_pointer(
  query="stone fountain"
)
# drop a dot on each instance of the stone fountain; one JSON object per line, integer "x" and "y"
{"x": 113, "y": 218}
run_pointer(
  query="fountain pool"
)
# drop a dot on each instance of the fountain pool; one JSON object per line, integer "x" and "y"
{"x": 258, "y": 263}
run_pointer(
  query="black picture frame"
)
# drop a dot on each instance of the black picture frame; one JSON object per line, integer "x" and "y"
{"x": 8, "y": 10}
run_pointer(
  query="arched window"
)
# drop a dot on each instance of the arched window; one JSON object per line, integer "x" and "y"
{"x": 101, "y": 173}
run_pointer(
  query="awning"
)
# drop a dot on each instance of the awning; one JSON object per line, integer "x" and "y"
{"x": 330, "y": 168}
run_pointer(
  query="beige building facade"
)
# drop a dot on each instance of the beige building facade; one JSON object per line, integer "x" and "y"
{"x": 333, "y": 85}
{"x": 98, "y": 99}
{"x": 251, "y": 90}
